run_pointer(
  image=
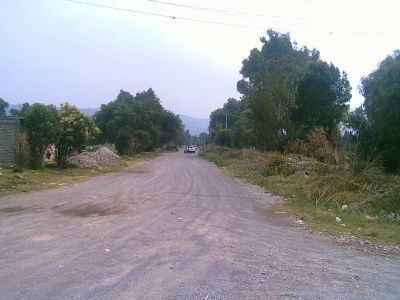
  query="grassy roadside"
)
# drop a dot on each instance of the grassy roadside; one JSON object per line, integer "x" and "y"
{"x": 327, "y": 198}
{"x": 50, "y": 176}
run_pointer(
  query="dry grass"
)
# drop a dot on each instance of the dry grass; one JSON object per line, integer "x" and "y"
{"x": 320, "y": 192}
{"x": 52, "y": 177}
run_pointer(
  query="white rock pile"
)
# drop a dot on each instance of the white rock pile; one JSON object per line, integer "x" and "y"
{"x": 96, "y": 159}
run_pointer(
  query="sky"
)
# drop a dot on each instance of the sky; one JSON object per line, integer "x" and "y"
{"x": 190, "y": 52}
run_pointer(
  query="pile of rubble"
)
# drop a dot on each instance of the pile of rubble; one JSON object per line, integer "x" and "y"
{"x": 96, "y": 159}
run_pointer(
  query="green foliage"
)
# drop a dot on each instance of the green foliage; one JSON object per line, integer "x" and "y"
{"x": 76, "y": 130}
{"x": 3, "y": 107}
{"x": 50, "y": 176}
{"x": 22, "y": 112}
{"x": 381, "y": 90}
{"x": 243, "y": 132}
{"x": 43, "y": 128}
{"x": 359, "y": 140}
{"x": 321, "y": 169}
{"x": 287, "y": 93}
{"x": 123, "y": 141}
{"x": 223, "y": 122}
{"x": 204, "y": 139}
{"x": 317, "y": 191}
{"x": 270, "y": 82}
{"x": 143, "y": 117}
{"x": 145, "y": 140}
{"x": 223, "y": 137}
{"x": 316, "y": 146}
{"x": 21, "y": 155}
{"x": 277, "y": 165}
{"x": 231, "y": 125}
{"x": 367, "y": 190}
{"x": 323, "y": 94}
{"x": 221, "y": 156}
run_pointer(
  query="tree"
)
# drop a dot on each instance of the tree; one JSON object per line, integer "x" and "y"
{"x": 76, "y": 130}
{"x": 123, "y": 140}
{"x": 42, "y": 129}
{"x": 140, "y": 117}
{"x": 223, "y": 120}
{"x": 359, "y": 137}
{"x": 322, "y": 100}
{"x": 269, "y": 84}
{"x": 381, "y": 90}
{"x": 204, "y": 139}
{"x": 21, "y": 112}
{"x": 3, "y": 107}
{"x": 243, "y": 132}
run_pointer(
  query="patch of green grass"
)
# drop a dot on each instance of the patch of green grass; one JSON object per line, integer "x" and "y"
{"x": 51, "y": 176}
{"x": 221, "y": 159}
{"x": 316, "y": 192}
{"x": 277, "y": 165}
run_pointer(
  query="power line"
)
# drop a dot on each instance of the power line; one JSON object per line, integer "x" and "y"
{"x": 206, "y": 9}
{"x": 247, "y": 15}
{"x": 172, "y": 17}
{"x": 164, "y": 16}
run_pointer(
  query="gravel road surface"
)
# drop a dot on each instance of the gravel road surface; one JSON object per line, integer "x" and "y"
{"x": 175, "y": 228}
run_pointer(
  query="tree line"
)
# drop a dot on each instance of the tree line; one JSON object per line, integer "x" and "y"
{"x": 289, "y": 93}
{"x": 138, "y": 123}
{"x": 133, "y": 123}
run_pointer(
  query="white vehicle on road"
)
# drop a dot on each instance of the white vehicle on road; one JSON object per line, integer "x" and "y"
{"x": 190, "y": 149}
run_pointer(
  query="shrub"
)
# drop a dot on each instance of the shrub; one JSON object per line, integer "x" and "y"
{"x": 133, "y": 147}
{"x": 76, "y": 130}
{"x": 123, "y": 141}
{"x": 220, "y": 161}
{"x": 21, "y": 155}
{"x": 42, "y": 129}
{"x": 278, "y": 165}
{"x": 317, "y": 146}
{"x": 298, "y": 146}
{"x": 321, "y": 168}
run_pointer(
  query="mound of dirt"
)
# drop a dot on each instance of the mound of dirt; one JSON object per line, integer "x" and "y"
{"x": 96, "y": 159}
{"x": 104, "y": 156}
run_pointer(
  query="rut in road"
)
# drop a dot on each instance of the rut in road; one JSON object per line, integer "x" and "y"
{"x": 174, "y": 228}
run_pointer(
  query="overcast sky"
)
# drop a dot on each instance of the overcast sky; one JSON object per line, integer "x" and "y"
{"x": 57, "y": 50}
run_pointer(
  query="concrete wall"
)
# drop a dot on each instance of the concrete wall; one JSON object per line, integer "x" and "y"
{"x": 9, "y": 131}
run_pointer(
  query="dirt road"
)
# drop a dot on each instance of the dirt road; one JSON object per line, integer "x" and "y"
{"x": 174, "y": 228}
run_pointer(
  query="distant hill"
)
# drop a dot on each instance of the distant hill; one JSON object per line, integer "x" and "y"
{"x": 89, "y": 111}
{"x": 194, "y": 125}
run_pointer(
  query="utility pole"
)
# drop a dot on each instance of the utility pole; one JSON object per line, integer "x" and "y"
{"x": 226, "y": 121}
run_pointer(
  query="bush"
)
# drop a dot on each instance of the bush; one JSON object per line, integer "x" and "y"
{"x": 321, "y": 168}
{"x": 298, "y": 146}
{"x": 76, "y": 130}
{"x": 278, "y": 165}
{"x": 42, "y": 123}
{"x": 21, "y": 155}
{"x": 220, "y": 161}
{"x": 317, "y": 146}
{"x": 123, "y": 141}
{"x": 133, "y": 147}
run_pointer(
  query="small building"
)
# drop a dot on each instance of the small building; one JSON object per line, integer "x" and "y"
{"x": 10, "y": 132}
